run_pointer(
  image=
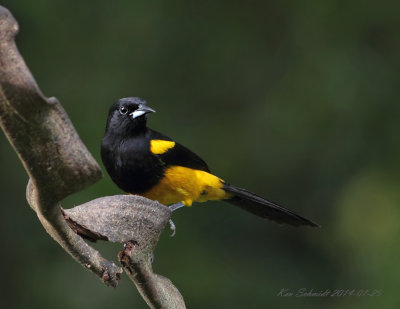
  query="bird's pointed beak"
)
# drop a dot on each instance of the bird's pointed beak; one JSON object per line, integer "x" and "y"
{"x": 142, "y": 110}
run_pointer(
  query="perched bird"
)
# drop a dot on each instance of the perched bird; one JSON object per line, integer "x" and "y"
{"x": 144, "y": 162}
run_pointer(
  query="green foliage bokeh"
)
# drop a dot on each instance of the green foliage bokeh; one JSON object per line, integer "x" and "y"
{"x": 296, "y": 101}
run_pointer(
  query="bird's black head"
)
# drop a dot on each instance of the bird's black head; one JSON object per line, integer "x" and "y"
{"x": 128, "y": 115}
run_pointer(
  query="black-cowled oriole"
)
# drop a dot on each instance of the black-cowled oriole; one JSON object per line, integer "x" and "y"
{"x": 145, "y": 162}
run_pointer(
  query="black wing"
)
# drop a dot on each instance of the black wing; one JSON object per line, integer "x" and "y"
{"x": 179, "y": 155}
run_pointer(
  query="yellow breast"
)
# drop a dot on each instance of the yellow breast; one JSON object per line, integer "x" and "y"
{"x": 182, "y": 184}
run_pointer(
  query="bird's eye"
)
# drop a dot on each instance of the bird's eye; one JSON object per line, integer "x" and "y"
{"x": 123, "y": 110}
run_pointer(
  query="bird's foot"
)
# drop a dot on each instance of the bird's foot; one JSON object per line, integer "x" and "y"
{"x": 174, "y": 207}
{"x": 172, "y": 227}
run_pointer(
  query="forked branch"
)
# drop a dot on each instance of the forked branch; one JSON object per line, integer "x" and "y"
{"x": 58, "y": 165}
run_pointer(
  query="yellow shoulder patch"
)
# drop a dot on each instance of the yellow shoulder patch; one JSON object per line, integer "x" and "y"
{"x": 158, "y": 146}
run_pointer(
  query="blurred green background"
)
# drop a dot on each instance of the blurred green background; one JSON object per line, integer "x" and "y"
{"x": 295, "y": 100}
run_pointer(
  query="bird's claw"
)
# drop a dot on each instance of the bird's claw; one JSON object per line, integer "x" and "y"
{"x": 172, "y": 227}
{"x": 174, "y": 207}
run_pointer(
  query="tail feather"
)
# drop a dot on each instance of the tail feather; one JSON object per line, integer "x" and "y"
{"x": 263, "y": 208}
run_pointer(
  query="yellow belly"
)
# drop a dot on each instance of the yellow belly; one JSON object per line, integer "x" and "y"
{"x": 182, "y": 184}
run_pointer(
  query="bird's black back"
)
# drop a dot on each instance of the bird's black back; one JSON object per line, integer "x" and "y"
{"x": 134, "y": 168}
{"x": 179, "y": 155}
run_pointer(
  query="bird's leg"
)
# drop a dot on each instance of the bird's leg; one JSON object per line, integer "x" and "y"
{"x": 174, "y": 207}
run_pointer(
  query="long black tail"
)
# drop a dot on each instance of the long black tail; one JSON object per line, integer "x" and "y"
{"x": 263, "y": 208}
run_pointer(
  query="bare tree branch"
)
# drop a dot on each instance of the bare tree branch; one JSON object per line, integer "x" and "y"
{"x": 58, "y": 165}
{"x": 142, "y": 227}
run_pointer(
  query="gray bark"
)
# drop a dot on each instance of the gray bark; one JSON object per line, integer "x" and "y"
{"x": 58, "y": 164}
